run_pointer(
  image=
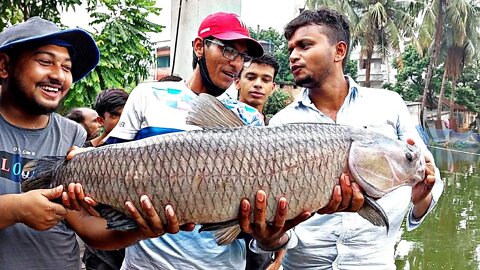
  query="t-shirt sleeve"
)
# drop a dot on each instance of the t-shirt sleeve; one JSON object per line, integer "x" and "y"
{"x": 132, "y": 117}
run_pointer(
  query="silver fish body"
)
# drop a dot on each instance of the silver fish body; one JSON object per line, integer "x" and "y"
{"x": 204, "y": 174}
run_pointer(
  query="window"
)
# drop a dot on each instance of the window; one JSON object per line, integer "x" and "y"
{"x": 163, "y": 61}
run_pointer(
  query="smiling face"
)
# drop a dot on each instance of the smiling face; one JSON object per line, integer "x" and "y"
{"x": 221, "y": 70}
{"x": 39, "y": 79}
{"x": 312, "y": 56}
{"x": 256, "y": 84}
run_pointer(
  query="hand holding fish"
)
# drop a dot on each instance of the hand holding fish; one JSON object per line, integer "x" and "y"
{"x": 37, "y": 211}
{"x": 153, "y": 226}
{"x": 346, "y": 197}
{"x": 269, "y": 236}
{"x": 422, "y": 192}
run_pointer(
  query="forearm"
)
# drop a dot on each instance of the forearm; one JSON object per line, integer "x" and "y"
{"x": 93, "y": 231}
{"x": 8, "y": 215}
{"x": 420, "y": 209}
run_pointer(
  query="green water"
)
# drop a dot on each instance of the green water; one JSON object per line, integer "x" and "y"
{"x": 450, "y": 236}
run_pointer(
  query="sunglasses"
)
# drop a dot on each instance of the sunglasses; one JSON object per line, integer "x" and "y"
{"x": 231, "y": 53}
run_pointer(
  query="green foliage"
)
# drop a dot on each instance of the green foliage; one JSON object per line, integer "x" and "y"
{"x": 468, "y": 89}
{"x": 15, "y": 11}
{"x": 411, "y": 68}
{"x": 276, "y": 102}
{"x": 121, "y": 35}
{"x": 125, "y": 49}
{"x": 280, "y": 51}
{"x": 351, "y": 69}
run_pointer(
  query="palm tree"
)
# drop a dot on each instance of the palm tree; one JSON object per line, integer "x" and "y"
{"x": 461, "y": 42}
{"x": 378, "y": 26}
{"x": 438, "y": 13}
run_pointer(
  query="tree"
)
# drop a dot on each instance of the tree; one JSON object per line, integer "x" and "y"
{"x": 438, "y": 14}
{"x": 280, "y": 51}
{"x": 461, "y": 40}
{"x": 125, "y": 49}
{"x": 276, "y": 102}
{"x": 121, "y": 35}
{"x": 374, "y": 25}
{"x": 411, "y": 67}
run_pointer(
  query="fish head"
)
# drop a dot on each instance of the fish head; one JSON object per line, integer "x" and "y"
{"x": 380, "y": 164}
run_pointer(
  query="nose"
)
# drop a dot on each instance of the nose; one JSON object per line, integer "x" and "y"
{"x": 294, "y": 56}
{"x": 57, "y": 73}
{"x": 257, "y": 83}
{"x": 237, "y": 63}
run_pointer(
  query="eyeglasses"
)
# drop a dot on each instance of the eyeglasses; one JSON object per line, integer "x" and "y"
{"x": 231, "y": 53}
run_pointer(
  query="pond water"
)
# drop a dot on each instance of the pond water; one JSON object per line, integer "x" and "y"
{"x": 450, "y": 236}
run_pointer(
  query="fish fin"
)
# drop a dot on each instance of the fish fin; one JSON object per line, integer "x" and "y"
{"x": 41, "y": 172}
{"x": 225, "y": 233}
{"x": 374, "y": 213}
{"x": 116, "y": 220}
{"x": 209, "y": 112}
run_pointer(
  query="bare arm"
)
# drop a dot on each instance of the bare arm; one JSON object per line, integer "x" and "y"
{"x": 32, "y": 208}
{"x": 93, "y": 230}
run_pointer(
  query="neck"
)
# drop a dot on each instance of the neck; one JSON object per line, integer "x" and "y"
{"x": 14, "y": 114}
{"x": 195, "y": 82}
{"x": 329, "y": 97}
{"x": 96, "y": 141}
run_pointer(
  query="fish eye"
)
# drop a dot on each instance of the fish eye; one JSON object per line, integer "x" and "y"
{"x": 409, "y": 157}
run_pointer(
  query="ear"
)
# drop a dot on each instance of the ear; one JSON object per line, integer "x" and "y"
{"x": 340, "y": 51}
{"x": 198, "y": 46}
{"x": 100, "y": 120}
{"x": 3, "y": 66}
{"x": 237, "y": 83}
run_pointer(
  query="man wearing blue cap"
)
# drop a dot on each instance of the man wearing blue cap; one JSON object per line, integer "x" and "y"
{"x": 38, "y": 64}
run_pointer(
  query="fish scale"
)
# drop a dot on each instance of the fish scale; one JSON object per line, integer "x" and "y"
{"x": 204, "y": 174}
{"x": 192, "y": 176}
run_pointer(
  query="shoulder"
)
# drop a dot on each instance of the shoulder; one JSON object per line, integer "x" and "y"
{"x": 67, "y": 126}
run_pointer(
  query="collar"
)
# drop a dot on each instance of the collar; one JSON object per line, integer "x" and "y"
{"x": 304, "y": 100}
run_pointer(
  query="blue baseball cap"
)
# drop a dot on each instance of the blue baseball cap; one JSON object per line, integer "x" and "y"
{"x": 80, "y": 44}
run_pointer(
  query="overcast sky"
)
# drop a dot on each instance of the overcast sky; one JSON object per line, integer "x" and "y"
{"x": 265, "y": 13}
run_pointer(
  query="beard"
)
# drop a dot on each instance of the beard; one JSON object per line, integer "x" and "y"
{"x": 27, "y": 103}
{"x": 310, "y": 82}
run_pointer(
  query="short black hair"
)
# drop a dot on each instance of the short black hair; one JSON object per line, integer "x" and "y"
{"x": 171, "y": 78}
{"x": 76, "y": 115}
{"x": 337, "y": 27}
{"x": 266, "y": 59}
{"x": 110, "y": 100}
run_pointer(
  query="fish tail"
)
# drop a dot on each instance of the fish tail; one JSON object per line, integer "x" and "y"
{"x": 41, "y": 173}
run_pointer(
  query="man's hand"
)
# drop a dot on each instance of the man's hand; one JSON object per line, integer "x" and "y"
{"x": 152, "y": 226}
{"x": 268, "y": 236}
{"x": 37, "y": 211}
{"x": 74, "y": 150}
{"x": 347, "y": 197}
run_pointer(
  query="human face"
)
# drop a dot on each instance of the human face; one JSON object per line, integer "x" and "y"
{"x": 41, "y": 78}
{"x": 90, "y": 123}
{"x": 223, "y": 71}
{"x": 256, "y": 84}
{"x": 110, "y": 120}
{"x": 312, "y": 57}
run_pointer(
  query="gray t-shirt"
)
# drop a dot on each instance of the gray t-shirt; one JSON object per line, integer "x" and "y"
{"x": 20, "y": 246}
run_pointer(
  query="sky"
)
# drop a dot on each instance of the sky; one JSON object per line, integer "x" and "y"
{"x": 262, "y": 13}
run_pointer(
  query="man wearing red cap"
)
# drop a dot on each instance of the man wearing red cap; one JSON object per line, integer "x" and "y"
{"x": 221, "y": 49}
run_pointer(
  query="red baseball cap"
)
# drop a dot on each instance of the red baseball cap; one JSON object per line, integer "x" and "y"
{"x": 228, "y": 26}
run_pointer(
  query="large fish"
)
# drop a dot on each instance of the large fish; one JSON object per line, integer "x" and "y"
{"x": 204, "y": 174}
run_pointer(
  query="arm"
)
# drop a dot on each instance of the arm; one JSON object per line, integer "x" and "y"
{"x": 32, "y": 208}
{"x": 347, "y": 196}
{"x": 93, "y": 230}
{"x": 426, "y": 193}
